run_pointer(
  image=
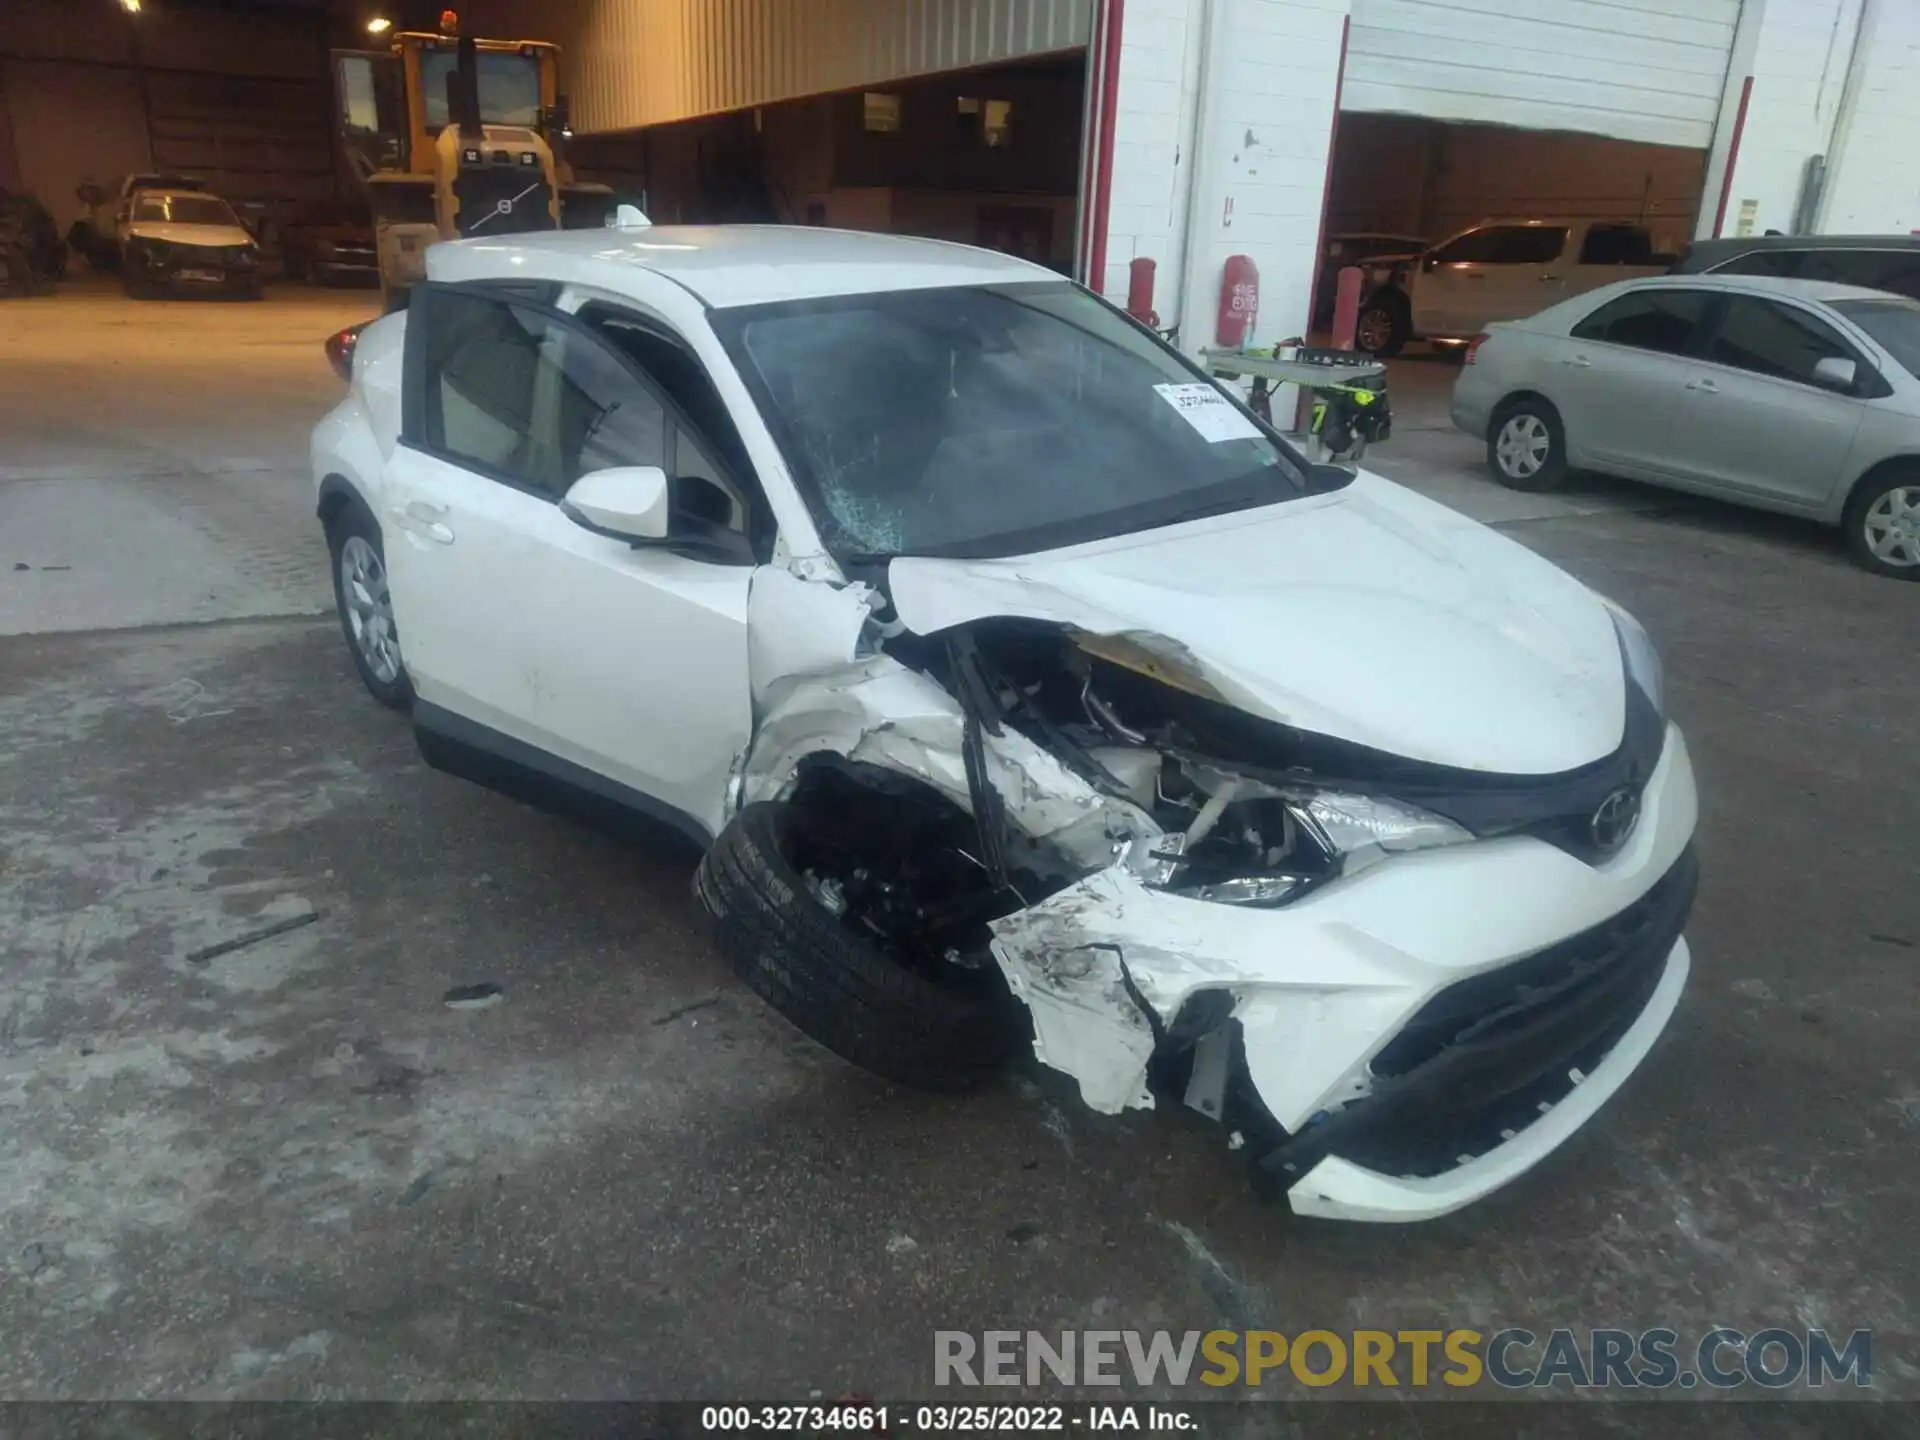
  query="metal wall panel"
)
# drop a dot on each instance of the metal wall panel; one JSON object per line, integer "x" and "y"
{"x": 1650, "y": 70}
{"x": 627, "y": 63}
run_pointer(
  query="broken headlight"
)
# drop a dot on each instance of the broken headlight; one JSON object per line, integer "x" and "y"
{"x": 1252, "y": 843}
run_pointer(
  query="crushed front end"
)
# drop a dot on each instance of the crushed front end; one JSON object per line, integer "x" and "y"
{"x": 1396, "y": 984}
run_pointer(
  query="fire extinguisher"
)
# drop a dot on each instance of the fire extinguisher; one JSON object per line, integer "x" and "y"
{"x": 1239, "y": 303}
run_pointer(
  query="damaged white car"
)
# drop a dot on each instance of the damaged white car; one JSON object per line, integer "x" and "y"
{"x": 1025, "y": 691}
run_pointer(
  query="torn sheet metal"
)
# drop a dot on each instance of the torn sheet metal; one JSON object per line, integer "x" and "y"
{"x": 1085, "y": 1024}
{"x": 879, "y": 712}
{"x": 798, "y": 628}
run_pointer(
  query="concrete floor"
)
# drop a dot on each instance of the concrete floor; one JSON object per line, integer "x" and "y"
{"x": 292, "y": 1170}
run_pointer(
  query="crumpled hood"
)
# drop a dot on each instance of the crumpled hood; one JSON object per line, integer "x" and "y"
{"x": 1370, "y": 614}
{"x": 182, "y": 234}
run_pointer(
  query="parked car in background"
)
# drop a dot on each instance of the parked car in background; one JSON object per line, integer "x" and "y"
{"x": 1789, "y": 395}
{"x": 937, "y": 601}
{"x": 1360, "y": 247}
{"x": 330, "y": 242}
{"x": 1875, "y": 262}
{"x": 32, "y": 254}
{"x": 186, "y": 242}
{"x": 1499, "y": 270}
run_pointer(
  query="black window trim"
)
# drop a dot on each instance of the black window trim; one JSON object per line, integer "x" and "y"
{"x": 1708, "y": 324}
{"x": 537, "y": 296}
{"x": 1868, "y": 382}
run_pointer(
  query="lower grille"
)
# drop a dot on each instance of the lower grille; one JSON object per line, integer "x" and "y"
{"x": 1480, "y": 1059}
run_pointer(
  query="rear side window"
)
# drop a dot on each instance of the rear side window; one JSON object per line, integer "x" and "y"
{"x": 1774, "y": 340}
{"x": 1666, "y": 322}
{"x": 1894, "y": 270}
{"x": 1617, "y": 245}
{"x": 1505, "y": 245}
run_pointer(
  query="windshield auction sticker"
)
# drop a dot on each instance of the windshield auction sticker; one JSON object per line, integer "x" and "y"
{"x": 1209, "y": 412}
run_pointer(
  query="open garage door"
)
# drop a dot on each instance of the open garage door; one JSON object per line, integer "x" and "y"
{"x": 1637, "y": 70}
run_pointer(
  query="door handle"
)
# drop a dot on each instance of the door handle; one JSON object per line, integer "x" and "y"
{"x": 421, "y": 518}
{"x": 1578, "y": 361}
{"x": 1705, "y": 387}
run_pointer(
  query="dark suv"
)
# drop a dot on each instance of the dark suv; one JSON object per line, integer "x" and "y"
{"x": 1877, "y": 262}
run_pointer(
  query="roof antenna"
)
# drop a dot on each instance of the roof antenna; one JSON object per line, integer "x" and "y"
{"x": 629, "y": 217}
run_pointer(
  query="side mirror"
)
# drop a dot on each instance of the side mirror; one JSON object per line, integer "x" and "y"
{"x": 1835, "y": 373}
{"x": 628, "y": 502}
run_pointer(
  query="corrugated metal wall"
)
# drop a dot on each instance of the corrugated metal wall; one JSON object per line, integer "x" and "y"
{"x": 628, "y": 63}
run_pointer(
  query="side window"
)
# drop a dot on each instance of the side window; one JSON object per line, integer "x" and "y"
{"x": 524, "y": 397}
{"x": 711, "y": 472}
{"x": 1894, "y": 270}
{"x": 1775, "y": 340}
{"x": 1505, "y": 245}
{"x": 1764, "y": 262}
{"x": 1664, "y": 321}
{"x": 1617, "y": 245}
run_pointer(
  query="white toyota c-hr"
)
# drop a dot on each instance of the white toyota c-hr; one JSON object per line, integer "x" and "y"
{"x": 1025, "y": 690}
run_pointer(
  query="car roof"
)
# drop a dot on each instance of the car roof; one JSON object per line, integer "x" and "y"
{"x": 1818, "y": 291}
{"x": 1742, "y": 244}
{"x": 170, "y": 192}
{"x": 729, "y": 265}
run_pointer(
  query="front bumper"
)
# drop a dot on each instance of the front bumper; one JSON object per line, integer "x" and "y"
{"x": 191, "y": 268}
{"x": 1320, "y": 991}
{"x": 1337, "y": 1188}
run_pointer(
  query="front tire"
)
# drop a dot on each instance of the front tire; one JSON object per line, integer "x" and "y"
{"x": 1527, "y": 446}
{"x": 365, "y": 603}
{"x": 938, "y": 1027}
{"x": 1882, "y": 524}
{"x": 1385, "y": 325}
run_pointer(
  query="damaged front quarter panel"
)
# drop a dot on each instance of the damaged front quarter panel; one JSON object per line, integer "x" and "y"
{"x": 822, "y": 687}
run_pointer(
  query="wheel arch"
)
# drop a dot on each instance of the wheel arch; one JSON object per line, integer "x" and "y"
{"x": 1861, "y": 487}
{"x": 1518, "y": 397}
{"x": 336, "y": 494}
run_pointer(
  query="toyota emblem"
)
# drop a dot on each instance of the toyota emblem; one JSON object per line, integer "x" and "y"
{"x": 1613, "y": 822}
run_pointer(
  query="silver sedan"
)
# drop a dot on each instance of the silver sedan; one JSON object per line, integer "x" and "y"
{"x": 1789, "y": 395}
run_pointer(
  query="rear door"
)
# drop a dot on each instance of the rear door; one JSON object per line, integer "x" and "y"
{"x": 1752, "y": 422}
{"x": 1495, "y": 272}
{"x": 1626, "y": 366}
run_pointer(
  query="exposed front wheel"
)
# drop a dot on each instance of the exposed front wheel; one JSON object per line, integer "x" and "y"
{"x": 1883, "y": 525}
{"x": 1526, "y": 446}
{"x": 365, "y": 603}
{"x": 802, "y": 921}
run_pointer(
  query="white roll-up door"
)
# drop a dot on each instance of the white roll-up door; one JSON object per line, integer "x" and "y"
{"x": 1649, "y": 70}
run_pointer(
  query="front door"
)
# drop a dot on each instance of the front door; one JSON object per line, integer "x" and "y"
{"x": 1751, "y": 420}
{"x": 1497, "y": 272}
{"x": 521, "y": 628}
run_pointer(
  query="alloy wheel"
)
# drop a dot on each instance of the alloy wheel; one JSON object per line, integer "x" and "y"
{"x": 1374, "y": 331}
{"x": 1523, "y": 446}
{"x": 369, "y": 606}
{"x": 1892, "y": 527}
